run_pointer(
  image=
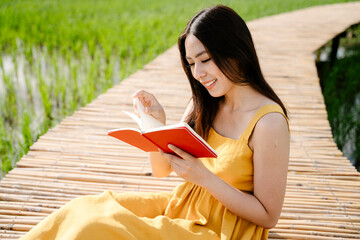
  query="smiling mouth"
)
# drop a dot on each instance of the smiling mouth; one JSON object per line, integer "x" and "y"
{"x": 209, "y": 83}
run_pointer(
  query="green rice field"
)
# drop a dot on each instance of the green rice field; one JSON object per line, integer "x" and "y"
{"x": 58, "y": 55}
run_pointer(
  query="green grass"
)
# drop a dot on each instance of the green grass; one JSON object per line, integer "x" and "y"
{"x": 63, "y": 53}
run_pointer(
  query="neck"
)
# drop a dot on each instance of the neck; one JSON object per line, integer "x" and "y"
{"x": 241, "y": 98}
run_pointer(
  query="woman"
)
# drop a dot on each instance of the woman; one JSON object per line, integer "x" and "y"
{"x": 238, "y": 195}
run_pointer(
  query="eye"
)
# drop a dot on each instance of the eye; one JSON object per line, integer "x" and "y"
{"x": 204, "y": 61}
{"x": 191, "y": 64}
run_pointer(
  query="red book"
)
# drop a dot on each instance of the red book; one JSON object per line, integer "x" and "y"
{"x": 180, "y": 135}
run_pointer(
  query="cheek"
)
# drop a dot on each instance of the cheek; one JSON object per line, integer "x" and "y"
{"x": 215, "y": 70}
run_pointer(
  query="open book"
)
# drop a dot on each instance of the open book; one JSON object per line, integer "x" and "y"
{"x": 151, "y": 139}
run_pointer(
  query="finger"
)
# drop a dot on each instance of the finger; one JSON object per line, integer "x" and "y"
{"x": 180, "y": 152}
{"x": 177, "y": 169}
{"x": 145, "y": 103}
{"x": 175, "y": 164}
{"x": 168, "y": 156}
{"x": 173, "y": 160}
{"x": 138, "y": 93}
{"x": 142, "y": 94}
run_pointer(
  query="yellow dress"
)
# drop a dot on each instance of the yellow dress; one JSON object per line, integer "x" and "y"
{"x": 189, "y": 212}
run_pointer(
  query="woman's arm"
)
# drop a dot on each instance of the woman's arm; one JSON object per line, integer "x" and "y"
{"x": 160, "y": 166}
{"x": 270, "y": 143}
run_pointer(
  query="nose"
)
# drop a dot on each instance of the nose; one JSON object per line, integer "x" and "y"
{"x": 198, "y": 71}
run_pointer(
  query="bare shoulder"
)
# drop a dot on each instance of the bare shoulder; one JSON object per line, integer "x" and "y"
{"x": 273, "y": 121}
{"x": 272, "y": 127}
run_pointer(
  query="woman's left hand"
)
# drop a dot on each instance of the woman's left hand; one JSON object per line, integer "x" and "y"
{"x": 187, "y": 167}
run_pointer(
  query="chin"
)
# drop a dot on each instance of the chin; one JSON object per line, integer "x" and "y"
{"x": 215, "y": 94}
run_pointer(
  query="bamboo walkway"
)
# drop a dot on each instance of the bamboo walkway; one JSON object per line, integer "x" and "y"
{"x": 77, "y": 157}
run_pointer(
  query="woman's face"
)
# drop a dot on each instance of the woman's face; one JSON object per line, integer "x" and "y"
{"x": 204, "y": 69}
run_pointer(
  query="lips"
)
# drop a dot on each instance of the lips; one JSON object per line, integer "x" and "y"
{"x": 209, "y": 84}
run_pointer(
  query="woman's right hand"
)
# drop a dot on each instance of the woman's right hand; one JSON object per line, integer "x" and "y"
{"x": 151, "y": 105}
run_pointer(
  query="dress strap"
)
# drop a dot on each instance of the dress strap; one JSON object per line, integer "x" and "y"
{"x": 262, "y": 112}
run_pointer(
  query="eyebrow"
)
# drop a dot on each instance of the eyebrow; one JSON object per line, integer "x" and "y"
{"x": 197, "y": 55}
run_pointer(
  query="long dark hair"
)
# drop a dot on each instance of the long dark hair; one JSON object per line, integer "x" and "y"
{"x": 228, "y": 41}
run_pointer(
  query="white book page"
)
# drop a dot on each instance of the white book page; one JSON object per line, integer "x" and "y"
{"x": 134, "y": 117}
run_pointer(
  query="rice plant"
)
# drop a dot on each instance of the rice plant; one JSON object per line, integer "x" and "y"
{"x": 58, "y": 55}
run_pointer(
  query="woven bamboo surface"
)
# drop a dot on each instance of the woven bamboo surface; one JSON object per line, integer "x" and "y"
{"x": 77, "y": 157}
